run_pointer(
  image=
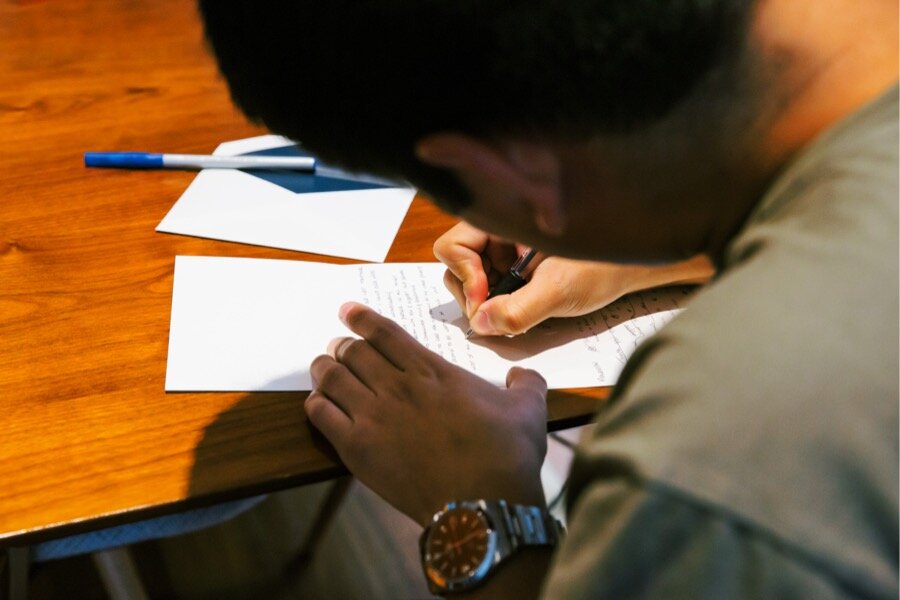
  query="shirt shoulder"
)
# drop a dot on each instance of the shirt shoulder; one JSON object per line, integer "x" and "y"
{"x": 773, "y": 398}
{"x": 636, "y": 540}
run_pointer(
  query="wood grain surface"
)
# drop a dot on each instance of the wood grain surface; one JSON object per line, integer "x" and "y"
{"x": 88, "y": 437}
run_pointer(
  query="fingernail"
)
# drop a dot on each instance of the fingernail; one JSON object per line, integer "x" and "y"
{"x": 468, "y": 307}
{"x": 343, "y": 311}
{"x": 481, "y": 323}
{"x": 332, "y": 347}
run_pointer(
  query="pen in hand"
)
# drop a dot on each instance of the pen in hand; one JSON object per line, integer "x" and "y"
{"x": 512, "y": 280}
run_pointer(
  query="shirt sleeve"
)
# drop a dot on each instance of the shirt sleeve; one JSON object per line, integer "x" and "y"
{"x": 633, "y": 540}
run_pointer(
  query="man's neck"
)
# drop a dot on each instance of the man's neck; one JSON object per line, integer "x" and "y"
{"x": 814, "y": 63}
{"x": 838, "y": 54}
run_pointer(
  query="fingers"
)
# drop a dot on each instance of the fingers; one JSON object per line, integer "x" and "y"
{"x": 527, "y": 382}
{"x": 338, "y": 383}
{"x": 328, "y": 418}
{"x": 386, "y": 337}
{"x": 460, "y": 249}
{"x": 518, "y": 312}
{"x": 454, "y": 285}
{"x": 361, "y": 360}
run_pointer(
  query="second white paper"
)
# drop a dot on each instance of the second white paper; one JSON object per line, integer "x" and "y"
{"x": 231, "y": 205}
{"x": 241, "y": 324}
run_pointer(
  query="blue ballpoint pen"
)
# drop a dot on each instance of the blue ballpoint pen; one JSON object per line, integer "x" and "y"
{"x": 513, "y": 280}
{"x": 146, "y": 160}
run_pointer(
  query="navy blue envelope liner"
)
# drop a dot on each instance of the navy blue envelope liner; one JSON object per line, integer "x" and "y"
{"x": 325, "y": 179}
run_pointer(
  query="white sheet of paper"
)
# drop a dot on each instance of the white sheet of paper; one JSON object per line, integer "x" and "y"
{"x": 242, "y": 324}
{"x": 231, "y": 205}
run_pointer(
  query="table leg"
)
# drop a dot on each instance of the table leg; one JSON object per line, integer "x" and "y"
{"x": 120, "y": 576}
{"x": 327, "y": 511}
{"x": 18, "y": 573}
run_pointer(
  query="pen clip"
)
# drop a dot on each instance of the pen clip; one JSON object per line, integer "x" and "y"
{"x": 521, "y": 263}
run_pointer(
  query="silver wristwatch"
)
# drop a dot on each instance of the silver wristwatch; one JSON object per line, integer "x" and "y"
{"x": 467, "y": 540}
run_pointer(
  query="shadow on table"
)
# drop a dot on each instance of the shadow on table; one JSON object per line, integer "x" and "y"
{"x": 262, "y": 443}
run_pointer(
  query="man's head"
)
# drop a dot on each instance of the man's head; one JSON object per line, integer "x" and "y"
{"x": 515, "y": 90}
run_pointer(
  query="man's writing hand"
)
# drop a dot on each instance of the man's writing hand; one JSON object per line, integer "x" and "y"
{"x": 557, "y": 287}
{"x": 420, "y": 431}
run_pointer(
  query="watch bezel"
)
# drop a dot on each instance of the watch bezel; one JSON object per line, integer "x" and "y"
{"x": 439, "y": 580}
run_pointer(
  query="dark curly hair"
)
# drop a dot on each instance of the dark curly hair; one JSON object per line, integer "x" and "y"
{"x": 360, "y": 81}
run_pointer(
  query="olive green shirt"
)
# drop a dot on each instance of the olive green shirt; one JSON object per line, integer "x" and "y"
{"x": 751, "y": 448}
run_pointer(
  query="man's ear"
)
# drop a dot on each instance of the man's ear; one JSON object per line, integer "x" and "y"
{"x": 512, "y": 171}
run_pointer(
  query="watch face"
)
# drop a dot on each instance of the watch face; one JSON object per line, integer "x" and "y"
{"x": 459, "y": 548}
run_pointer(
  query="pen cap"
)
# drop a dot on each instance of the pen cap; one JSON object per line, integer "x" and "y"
{"x": 127, "y": 160}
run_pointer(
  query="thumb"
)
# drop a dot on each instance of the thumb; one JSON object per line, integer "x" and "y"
{"x": 527, "y": 381}
{"x": 512, "y": 314}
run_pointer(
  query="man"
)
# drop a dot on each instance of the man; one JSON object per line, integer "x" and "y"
{"x": 750, "y": 449}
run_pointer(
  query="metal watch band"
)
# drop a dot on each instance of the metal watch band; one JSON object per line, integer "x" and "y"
{"x": 528, "y": 525}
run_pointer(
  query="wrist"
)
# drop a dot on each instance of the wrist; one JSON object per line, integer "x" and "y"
{"x": 693, "y": 271}
{"x": 515, "y": 484}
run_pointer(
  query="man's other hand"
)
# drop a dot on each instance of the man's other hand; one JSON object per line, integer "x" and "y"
{"x": 420, "y": 431}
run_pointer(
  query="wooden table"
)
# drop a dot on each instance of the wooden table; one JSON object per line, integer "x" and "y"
{"x": 89, "y": 438}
